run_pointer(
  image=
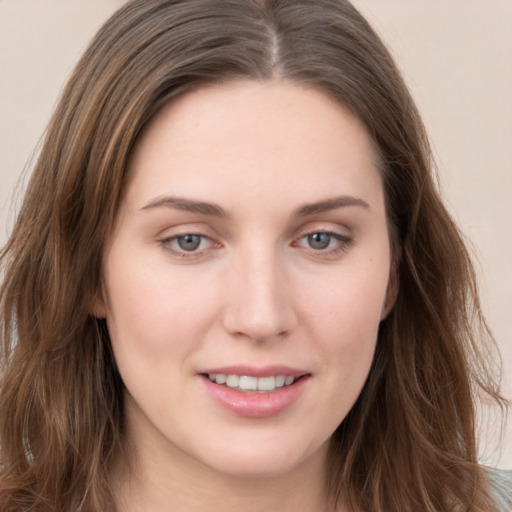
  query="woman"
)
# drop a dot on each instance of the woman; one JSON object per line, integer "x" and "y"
{"x": 232, "y": 282}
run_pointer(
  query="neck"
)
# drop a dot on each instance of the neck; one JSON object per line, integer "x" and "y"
{"x": 178, "y": 491}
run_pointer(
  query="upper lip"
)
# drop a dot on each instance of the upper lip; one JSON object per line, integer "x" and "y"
{"x": 256, "y": 371}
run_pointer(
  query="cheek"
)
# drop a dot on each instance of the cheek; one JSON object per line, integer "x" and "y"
{"x": 154, "y": 314}
{"x": 344, "y": 317}
{"x": 348, "y": 307}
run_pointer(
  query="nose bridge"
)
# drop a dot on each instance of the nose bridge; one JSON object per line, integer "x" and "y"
{"x": 259, "y": 304}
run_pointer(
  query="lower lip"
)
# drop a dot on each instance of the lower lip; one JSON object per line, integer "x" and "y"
{"x": 255, "y": 404}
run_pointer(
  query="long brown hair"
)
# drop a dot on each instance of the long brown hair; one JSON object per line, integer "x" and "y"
{"x": 409, "y": 441}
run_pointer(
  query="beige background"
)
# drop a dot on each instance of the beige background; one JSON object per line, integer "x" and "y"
{"x": 456, "y": 56}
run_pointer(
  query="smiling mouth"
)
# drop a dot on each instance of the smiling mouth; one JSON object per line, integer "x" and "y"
{"x": 251, "y": 384}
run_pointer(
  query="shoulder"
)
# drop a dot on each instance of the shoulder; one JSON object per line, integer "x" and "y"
{"x": 501, "y": 488}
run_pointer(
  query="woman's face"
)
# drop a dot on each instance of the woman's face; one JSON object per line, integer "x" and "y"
{"x": 246, "y": 277}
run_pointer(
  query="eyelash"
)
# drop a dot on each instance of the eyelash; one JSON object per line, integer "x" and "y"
{"x": 343, "y": 242}
{"x": 342, "y": 245}
{"x": 168, "y": 242}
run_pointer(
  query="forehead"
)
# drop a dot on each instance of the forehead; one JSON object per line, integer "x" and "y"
{"x": 204, "y": 111}
{"x": 254, "y": 137}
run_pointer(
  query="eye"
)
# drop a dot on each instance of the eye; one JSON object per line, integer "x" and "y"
{"x": 189, "y": 242}
{"x": 319, "y": 241}
{"x": 328, "y": 242}
{"x": 188, "y": 245}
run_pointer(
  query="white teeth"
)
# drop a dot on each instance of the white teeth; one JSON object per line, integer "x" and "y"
{"x": 250, "y": 383}
{"x": 220, "y": 378}
{"x": 232, "y": 381}
{"x": 280, "y": 380}
{"x": 288, "y": 381}
{"x": 266, "y": 383}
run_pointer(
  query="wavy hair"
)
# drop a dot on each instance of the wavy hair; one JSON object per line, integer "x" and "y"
{"x": 409, "y": 441}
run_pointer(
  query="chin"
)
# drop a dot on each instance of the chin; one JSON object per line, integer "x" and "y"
{"x": 261, "y": 460}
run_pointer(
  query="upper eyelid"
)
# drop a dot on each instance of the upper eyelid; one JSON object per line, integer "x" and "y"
{"x": 329, "y": 231}
{"x": 182, "y": 229}
{"x": 339, "y": 236}
{"x": 203, "y": 230}
{"x": 343, "y": 233}
{"x": 337, "y": 230}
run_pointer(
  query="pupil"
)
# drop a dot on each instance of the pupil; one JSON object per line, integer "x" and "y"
{"x": 319, "y": 240}
{"x": 189, "y": 242}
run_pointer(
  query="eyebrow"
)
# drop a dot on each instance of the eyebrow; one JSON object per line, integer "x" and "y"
{"x": 213, "y": 210}
{"x": 187, "y": 205}
{"x": 331, "y": 204}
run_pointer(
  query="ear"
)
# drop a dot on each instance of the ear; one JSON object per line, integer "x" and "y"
{"x": 98, "y": 302}
{"x": 99, "y": 309}
{"x": 393, "y": 285}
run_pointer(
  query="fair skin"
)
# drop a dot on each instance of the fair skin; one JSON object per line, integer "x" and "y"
{"x": 252, "y": 242}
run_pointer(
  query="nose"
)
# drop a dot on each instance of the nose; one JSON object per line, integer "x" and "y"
{"x": 259, "y": 303}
